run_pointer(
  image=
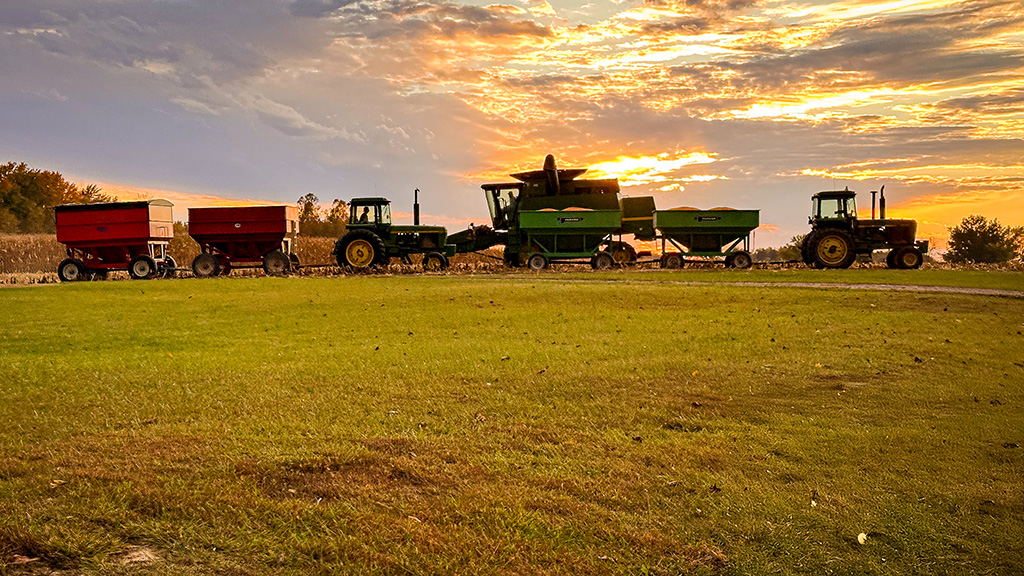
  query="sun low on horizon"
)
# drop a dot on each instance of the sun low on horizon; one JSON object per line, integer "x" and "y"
{"x": 741, "y": 103}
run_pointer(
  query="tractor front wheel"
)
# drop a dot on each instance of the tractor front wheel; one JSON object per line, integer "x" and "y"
{"x": 832, "y": 248}
{"x": 276, "y": 263}
{"x": 71, "y": 270}
{"x": 142, "y": 267}
{"x": 908, "y": 258}
{"x": 434, "y": 262}
{"x": 623, "y": 254}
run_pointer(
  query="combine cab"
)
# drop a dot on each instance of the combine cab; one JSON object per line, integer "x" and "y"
{"x": 838, "y": 237}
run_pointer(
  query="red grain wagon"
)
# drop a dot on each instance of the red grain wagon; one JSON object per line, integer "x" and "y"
{"x": 232, "y": 237}
{"x": 130, "y": 236}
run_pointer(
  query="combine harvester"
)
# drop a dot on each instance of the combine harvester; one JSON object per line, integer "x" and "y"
{"x": 552, "y": 215}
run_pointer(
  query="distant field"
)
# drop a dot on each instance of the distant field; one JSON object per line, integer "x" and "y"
{"x": 517, "y": 424}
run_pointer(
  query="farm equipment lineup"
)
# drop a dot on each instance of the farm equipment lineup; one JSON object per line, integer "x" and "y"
{"x": 544, "y": 217}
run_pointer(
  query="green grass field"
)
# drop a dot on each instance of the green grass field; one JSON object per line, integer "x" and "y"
{"x": 509, "y": 425}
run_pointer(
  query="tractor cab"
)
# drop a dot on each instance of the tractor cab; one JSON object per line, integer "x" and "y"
{"x": 838, "y": 206}
{"x": 374, "y": 213}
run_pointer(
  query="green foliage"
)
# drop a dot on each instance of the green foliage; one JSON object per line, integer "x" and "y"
{"x": 27, "y": 197}
{"x": 785, "y": 253}
{"x": 976, "y": 239}
{"x": 315, "y": 221}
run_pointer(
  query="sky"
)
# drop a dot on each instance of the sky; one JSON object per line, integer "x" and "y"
{"x": 742, "y": 103}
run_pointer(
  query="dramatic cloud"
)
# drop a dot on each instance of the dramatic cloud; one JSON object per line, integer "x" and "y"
{"x": 699, "y": 102}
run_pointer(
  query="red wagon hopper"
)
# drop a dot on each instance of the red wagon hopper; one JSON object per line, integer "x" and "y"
{"x": 130, "y": 236}
{"x": 244, "y": 237}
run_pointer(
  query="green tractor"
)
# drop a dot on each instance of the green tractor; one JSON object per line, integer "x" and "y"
{"x": 372, "y": 240}
{"x": 838, "y": 237}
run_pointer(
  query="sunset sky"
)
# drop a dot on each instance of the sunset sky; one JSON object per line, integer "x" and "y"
{"x": 741, "y": 103}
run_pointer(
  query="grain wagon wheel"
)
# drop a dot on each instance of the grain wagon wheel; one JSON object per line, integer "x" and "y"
{"x": 276, "y": 263}
{"x": 908, "y": 258}
{"x": 71, "y": 270}
{"x": 832, "y": 249}
{"x": 434, "y": 262}
{"x": 537, "y": 262}
{"x": 672, "y": 261}
{"x": 741, "y": 260}
{"x": 142, "y": 267}
{"x": 204, "y": 265}
{"x": 602, "y": 261}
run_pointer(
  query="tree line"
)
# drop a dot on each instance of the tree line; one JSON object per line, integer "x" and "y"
{"x": 27, "y": 198}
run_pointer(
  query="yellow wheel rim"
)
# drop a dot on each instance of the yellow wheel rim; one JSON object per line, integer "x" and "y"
{"x": 433, "y": 265}
{"x": 621, "y": 256}
{"x": 832, "y": 250}
{"x": 909, "y": 259}
{"x": 359, "y": 253}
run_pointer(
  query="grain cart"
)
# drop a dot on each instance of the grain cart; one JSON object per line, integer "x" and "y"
{"x": 838, "y": 237}
{"x": 244, "y": 237}
{"x": 372, "y": 240}
{"x": 716, "y": 234}
{"x": 130, "y": 236}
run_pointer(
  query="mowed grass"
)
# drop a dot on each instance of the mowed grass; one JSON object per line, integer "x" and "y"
{"x": 508, "y": 425}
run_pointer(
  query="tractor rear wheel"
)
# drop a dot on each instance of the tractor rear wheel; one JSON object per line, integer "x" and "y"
{"x": 204, "y": 265}
{"x": 276, "y": 263}
{"x": 741, "y": 260}
{"x": 71, "y": 270}
{"x": 602, "y": 261}
{"x": 434, "y": 262}
{"x": 672, "y": 261}
{"x": 361, "y": 248}
{"x": 832, "y": 248}
{"x": 908, "y": 258}
{"x": 890, "y": 258}
{"x": 537, "y": 262}
{"x": 142, "y": 267}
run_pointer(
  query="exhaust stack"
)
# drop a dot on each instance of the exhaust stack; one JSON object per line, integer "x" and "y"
{"x": 416, "y": 207}
{"x": 881, "y": 203}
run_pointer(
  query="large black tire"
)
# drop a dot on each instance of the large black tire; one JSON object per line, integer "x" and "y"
{"x": 276, "y": 263}
{"x": 167, "y": 268}
{"x": 832, "y": 248}
{"x": 908, "y": 258}
{"x": 890, "y": 258}
{"x": 537, "y": 262}
{"x": 672, "y": 261}
{"x": 205, "y": 265}
{"x": 602, "y": 261}
{"x": 741, "y": 260}
{"x": 805, "y": 253}
{"x": 434, "y": 262}
{"x": 361, "y": 248}
{"x": 71, "y": 270}
{"x": 142, "y": 267}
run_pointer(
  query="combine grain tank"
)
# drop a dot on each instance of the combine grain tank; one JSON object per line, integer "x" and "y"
{"x": 244, "y": 237}
{"x": 706, "y": 233}
{"x": 130, "y": 236}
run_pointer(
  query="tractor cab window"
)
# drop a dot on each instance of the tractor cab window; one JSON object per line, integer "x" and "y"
{"x": 836, "y": 208}
{"x": 371, "y": 215}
